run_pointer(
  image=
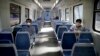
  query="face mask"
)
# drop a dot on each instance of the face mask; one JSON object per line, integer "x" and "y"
{"x": 28, "y": 23}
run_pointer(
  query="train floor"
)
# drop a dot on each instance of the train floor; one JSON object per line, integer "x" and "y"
{"x": 46, "y": 43}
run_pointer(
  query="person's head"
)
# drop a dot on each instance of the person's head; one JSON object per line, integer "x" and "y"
{"x": 28, "y": 21}
{"x": 57, "y": 18}
{"x": 78, "y": 22}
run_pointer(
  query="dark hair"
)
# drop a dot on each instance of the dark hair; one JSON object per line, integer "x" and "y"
{"x": 79, "y": 20}
{"x": 57, "y": 17}
{"x": 28, "y": 20}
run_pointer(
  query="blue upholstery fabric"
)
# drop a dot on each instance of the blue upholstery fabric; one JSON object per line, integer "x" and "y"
{"x": 16, "y": 29}
{"x": 22, "y": 41}
{"x": 57, "y": 26}
{"x": 23, "y": 53}
{"x": 8, "y": 50}
{"x": 6, "y": 36}
{"x": 68, "y": 40}
{"x": 85, "y": 35}
{"x": 67, "y": 53}
{"x": 83, "y": 41}
{"x": 36, "y": 28}
{"x": 61, "y": 31}
{"x": 5, "y": 42}
{"x": 31, "y": 29}
{"x": 83, "y": 50}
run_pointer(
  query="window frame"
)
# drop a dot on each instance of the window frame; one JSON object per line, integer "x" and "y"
{"x": 94, "y": 15}
{"x": 18, "y": 13}
{"x": 67, "y": 11}
{"x": 74, "y": 13}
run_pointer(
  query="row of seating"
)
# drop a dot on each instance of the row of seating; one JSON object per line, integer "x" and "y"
{"x": 68, "y": 39}
{"x": 21, "y": 44}
{"x": 81, "y": 49}
{"x": 83, "y": 36}
{"x": 61, "y": 28}
{"x": 16, "y": 44}
{"x": 58, "y": 24}
{"x": 71, "y": 44}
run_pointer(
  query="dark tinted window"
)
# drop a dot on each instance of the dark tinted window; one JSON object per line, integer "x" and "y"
{"x": 96, "y": 24}
{"x": 15, "y": 14}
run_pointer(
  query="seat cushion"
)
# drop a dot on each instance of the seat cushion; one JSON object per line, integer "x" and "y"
{"x": 23, "y": 53}
{"x": 67, "y": 53}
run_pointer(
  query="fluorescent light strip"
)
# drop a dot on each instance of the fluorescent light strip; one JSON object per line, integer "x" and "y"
{"x": 55, "y": 3}
{"x": 36, "y": 1}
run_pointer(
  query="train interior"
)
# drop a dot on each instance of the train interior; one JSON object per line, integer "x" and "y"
{"x": 49, "y": 34}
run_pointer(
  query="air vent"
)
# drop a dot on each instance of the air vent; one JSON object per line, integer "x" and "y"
{"x": 46, "y": 0}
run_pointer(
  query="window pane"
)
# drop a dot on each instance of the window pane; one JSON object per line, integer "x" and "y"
{"x": 67, "y": 14}
{"x": 97, "y": 22}
{"x": 78, "y": 12}
{"x": 15, "y": 14}
{"x": 81, "y": 11}
{"x": 98, "y": 5}
{"x": 26, "y": 13}
{"x": 60, "y": 14}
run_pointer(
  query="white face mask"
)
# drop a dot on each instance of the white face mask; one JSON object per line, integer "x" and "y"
{"x": 28, "y": 23}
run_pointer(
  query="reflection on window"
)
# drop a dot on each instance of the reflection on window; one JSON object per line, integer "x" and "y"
{"x": 34, "y": 14}
{"x": 26, "y": 13}
{"x": 67, "y": 14}
{"x": 60, "y": 14}
{"x": 78, "y": 12}
{"x": 97, "y": 23}
{"x": 15, "y": 14}
{"x": 98, "y": 5}
{"x": 96, "y": 20}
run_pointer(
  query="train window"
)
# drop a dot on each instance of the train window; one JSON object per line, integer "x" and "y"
{"x": 98, "y": 5}
{"x": 96, "y": 23}
{"x": 26, "y": 13}
{"x": 34, "y": 14}
{"x": 77, "y": 12}
{"x": 15, "y": 14}
{"x": 66, "y": 14}
{"x": 60, "y": 14}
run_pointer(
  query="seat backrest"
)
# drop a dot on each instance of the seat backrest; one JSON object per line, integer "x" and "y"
{"x": 7, "y": 30}
{"x": 16, "y": 29}
{"x": 22, "y": 41}
{"x": 83, "y": 41}
{"x": 8, "y": 50}
{"x": 57, "y": 26}
{"x": 31, "y": 29}
{"x": 83, "y": 49}
{"x": 61, "y": 30}
{"x": 56, "y": 23}
{"x": 5, "y": 42}
{"x": 68, "y": 26}
{"x": 36, "y": 27}
{"x": 68, "y": 40}
{"x": 6, "y": 36}
{"x": 86, "y": 35}
{"x": 24, "y": 26}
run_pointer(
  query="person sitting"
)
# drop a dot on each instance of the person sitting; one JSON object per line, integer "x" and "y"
{"x": 29, "y": 27}
{"x": 78, "y": 27}
{"x": 31, "y": 30}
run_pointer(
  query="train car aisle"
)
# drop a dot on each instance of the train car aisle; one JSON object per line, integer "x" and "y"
{"x": 46, "y": 42}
